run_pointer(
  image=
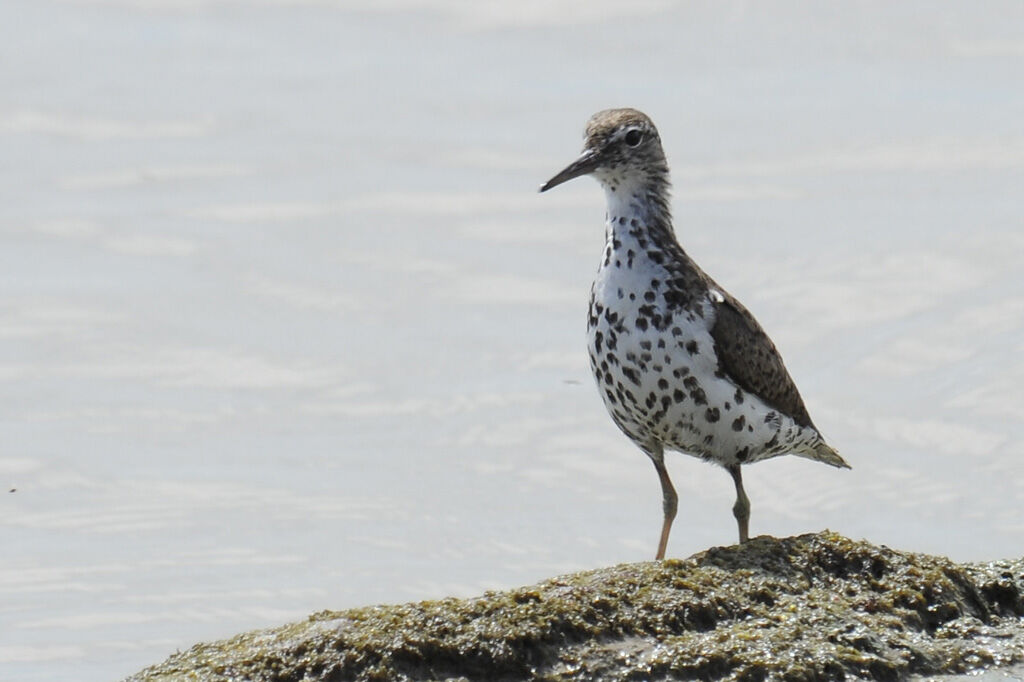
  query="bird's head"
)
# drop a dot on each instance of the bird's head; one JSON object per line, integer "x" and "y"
{"x": 621, "y": 148}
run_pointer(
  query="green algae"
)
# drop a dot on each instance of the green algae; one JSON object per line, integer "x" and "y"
{"x": 813, "y": 607}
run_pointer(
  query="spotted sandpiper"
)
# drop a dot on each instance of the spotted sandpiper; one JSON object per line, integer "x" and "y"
{"x": 680, "y": 363}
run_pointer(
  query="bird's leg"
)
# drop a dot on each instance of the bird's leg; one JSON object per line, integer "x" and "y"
{"x": 669, "y": 502}
{"x": 741, "y": 510}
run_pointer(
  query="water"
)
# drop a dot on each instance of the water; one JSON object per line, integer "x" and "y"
{"x": 285, "y": 326}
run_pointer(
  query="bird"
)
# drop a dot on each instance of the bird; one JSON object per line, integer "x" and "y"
{"x": 680, "y": 364}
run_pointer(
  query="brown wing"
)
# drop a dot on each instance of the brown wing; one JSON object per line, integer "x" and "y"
{"x": 749, "y": 358}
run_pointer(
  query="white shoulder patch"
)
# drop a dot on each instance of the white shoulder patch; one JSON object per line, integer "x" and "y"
{"x": 716, "y": 296}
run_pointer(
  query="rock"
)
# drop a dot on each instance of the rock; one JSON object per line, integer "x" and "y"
{"x": 813, "y": 607}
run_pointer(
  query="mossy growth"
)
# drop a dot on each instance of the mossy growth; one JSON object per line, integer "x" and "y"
{"x": 813, "y": 607}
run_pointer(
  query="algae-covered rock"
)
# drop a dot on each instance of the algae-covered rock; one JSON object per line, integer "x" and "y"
{"x": 813, "y": 607}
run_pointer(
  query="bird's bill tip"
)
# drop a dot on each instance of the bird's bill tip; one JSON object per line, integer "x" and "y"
{"x": 586, "y": 163}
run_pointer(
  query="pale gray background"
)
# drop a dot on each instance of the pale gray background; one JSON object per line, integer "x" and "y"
{"x": 285, "y": 326}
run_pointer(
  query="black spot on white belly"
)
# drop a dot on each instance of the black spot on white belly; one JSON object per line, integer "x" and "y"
{"x": 631, "y": 374}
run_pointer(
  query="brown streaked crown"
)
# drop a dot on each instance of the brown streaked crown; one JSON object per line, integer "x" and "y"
{"x": 603, "y": 125}
{"x": 613, "y": 133}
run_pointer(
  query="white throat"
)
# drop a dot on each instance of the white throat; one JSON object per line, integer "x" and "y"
{"x": 624, "y": 197}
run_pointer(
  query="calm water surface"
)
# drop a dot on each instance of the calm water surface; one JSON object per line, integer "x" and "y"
{"x": 285, "y": 326}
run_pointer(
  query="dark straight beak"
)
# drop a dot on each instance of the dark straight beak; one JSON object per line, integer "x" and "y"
{"x": 587, "y": 163}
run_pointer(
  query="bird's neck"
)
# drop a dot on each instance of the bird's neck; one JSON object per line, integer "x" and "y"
{"x": 639, "y": 208}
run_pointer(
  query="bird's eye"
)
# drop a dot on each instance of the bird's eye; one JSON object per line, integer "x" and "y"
{"x": 634, "y": 137}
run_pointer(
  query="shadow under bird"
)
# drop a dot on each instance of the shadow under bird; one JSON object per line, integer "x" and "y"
{"x": 680, "y": 363}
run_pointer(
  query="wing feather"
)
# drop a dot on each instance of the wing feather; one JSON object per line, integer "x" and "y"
{"x": 750, "y": 359}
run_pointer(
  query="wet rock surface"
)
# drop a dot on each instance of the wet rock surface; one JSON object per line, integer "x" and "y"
{"x": 813, "y": 607}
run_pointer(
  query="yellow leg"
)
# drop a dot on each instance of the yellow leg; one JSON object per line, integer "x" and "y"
{"x": 669, "y": 503}
{"x": 741, "y": 510}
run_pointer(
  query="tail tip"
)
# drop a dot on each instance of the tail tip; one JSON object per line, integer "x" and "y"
{"x": 829, "y": 455}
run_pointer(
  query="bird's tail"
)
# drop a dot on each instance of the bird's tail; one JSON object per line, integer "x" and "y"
{"x": 823, "y": 452}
